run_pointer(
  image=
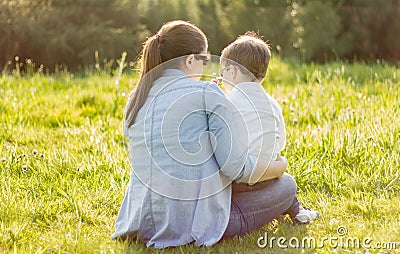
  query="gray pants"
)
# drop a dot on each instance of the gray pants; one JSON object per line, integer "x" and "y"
{"x": 254, "y": 206}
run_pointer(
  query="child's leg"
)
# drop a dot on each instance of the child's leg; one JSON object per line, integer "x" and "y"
{"x": 300, "y": 214}
{"x": 294, "y": 208}
{"x": 252, "y": 210}
{"x": 244, "y": 187}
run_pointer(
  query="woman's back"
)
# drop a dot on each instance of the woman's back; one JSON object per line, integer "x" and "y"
{"x": 180, "y": 195}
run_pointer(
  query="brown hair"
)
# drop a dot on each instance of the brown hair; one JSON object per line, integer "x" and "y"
{"x": 174, "y": 39}
{"x": 251, "y": 52}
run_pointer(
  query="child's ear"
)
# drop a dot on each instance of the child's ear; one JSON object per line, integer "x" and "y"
{"x": 234, "y": 72}
{"x": 189, "y": 61}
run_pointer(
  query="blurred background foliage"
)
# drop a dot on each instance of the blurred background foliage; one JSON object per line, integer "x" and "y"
{"x": 76, "y": 34}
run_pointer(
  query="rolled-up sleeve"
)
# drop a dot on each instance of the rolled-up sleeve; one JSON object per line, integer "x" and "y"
{"x": 228, "y": 136}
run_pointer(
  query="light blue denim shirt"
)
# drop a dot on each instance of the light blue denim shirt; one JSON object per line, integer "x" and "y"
{"x": 184, "y": 154}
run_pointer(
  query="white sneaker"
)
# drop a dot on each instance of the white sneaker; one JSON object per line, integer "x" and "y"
{"x": 305, "y": 215}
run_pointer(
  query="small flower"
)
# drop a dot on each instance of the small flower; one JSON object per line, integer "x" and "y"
{"x": 3, "y": 159}
{"x": 34, "y": 151}
{"x": 333, "y": 221}
{"x": 295, "y": 121}
{"x": 41, "y": 155}
{"x": 214, "y": 80}
{"x": 24, "y": 167}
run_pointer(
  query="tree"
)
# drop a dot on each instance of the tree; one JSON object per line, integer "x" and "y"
{"x": 211, "y": 23}
{"x": 69, "y": 32}
{"x": 317, "y": 27}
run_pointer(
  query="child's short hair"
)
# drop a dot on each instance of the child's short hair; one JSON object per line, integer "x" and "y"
{"x": 251, "y": 52}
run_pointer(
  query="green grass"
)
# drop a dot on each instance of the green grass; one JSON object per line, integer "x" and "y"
{"x": 343, "y": 125}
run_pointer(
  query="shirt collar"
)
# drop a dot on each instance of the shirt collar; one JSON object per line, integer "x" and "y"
{"x": 172, "y": 72}
{"x": 249, "y": 86}
{"x": 165, "y": 79}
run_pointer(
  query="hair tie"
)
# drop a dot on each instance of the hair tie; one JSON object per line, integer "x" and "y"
{"x": 159, "y": 38}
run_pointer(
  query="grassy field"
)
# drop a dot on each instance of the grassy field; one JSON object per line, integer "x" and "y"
{"x": 64, "y": 164}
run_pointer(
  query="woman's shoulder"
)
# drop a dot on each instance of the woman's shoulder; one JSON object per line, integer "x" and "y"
{"x": 211, "y": 86}
{"x": 207, "y": 86}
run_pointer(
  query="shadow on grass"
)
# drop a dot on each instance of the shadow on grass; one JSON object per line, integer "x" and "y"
{"x": 264, "y": 240}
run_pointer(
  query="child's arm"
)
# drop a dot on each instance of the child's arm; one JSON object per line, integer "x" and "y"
{"x": 275, "y": 169}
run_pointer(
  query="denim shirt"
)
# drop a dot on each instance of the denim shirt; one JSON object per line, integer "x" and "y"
{"x": 184, "y": 153}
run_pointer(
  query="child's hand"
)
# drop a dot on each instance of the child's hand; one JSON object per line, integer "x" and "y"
{"x": 214, "y": 79}
{"x": 219, "y": 84}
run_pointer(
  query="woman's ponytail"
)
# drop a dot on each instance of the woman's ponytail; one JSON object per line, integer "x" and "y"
{"x": 150, "y": 58}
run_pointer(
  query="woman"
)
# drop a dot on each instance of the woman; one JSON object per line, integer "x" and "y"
{"x": 185, "y": 153}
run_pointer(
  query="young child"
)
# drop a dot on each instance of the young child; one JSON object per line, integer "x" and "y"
{"x": 245, "y": 63}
